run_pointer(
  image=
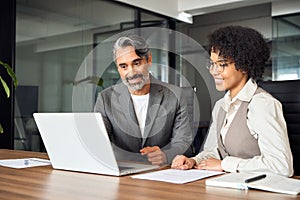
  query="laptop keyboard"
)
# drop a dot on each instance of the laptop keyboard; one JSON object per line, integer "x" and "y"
{"x": 125, "y": 168}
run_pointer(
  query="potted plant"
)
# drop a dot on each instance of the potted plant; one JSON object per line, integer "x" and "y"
{"x": 5, "y": 87}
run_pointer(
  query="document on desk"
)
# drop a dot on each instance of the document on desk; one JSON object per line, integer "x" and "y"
{"x": 267, "y": 182}
{"x": 24, "y": 162}
{"x": 177, "y": 176}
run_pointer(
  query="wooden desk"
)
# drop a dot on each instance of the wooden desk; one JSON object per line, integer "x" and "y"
{"x": 46, "y": 183}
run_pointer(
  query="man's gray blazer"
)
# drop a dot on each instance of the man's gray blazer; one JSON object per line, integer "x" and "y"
{"x": 167, "y": 123}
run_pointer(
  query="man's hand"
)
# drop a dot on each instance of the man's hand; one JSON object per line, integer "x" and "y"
{"x": 155, "y": 155}
{"x": 182, "y": 162}
{"x": 210, "y": 164}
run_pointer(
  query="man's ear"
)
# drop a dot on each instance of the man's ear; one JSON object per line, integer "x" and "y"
{"x": 149, "y": 59}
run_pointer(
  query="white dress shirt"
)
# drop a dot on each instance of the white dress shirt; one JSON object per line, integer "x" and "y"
{"x": 266, "y": 123}
{"x": 140, "y": 103}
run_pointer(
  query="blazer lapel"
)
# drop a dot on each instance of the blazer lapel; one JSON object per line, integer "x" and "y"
{"x": 127, "y": 109}
{"x": 155, "y": 99}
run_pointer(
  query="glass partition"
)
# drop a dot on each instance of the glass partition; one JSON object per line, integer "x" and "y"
{"x": 53, "y": 38}
{"x": 286, "y": 47}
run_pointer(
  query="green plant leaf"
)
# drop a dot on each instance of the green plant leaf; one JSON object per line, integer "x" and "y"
{"x": 6, "y": 88}
{"x": 10, "y": 73}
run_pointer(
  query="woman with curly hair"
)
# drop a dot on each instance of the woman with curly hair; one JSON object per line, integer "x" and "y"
{"x": 248, "y": 131}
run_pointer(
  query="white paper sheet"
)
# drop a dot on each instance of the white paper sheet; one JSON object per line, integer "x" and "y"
{"x": 24, "y": 162}
{"x": 177, "y": 176}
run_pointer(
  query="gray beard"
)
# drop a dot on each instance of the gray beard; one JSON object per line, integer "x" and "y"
{"x": 136, "y": 86}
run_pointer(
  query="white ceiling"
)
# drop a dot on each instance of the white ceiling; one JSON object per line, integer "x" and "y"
{"x": 48, "y": 18}
{"x": 184, "y": 9}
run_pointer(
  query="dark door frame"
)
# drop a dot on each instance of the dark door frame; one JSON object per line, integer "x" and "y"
{"x": 7, "y": 55}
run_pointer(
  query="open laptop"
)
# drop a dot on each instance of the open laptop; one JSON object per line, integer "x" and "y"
{"x": 79, "y": 142}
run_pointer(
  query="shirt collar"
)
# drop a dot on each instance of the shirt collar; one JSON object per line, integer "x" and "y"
{"x": 245, "y": 94}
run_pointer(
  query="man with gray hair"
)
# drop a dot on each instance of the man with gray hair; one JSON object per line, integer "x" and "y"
{"x": 146, "y": 119}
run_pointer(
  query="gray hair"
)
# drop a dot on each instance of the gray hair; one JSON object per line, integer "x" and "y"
{"x": 139, "y": 44}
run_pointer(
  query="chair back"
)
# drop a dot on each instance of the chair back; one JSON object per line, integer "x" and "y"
{"x": 288, "y": 93}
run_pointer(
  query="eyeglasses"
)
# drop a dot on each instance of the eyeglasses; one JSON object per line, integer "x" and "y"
{"x": 220, "y": 65}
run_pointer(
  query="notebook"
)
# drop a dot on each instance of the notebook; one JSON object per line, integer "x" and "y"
{"x": 79, "y": 142}
{"x": 257, "y": 180}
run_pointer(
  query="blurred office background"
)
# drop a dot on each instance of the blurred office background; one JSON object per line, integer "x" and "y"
{"x": 52, "y": 39}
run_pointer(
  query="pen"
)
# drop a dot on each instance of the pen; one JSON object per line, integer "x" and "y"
{"x": 26, "y": 162}
{"x": 219, "y": 154}
{"x": 256, "y": 178}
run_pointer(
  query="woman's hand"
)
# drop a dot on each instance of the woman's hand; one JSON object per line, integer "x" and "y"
{"x": 210, "y": 164}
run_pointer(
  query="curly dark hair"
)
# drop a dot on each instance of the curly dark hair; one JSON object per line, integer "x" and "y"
{"x": 245, "y": 46}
